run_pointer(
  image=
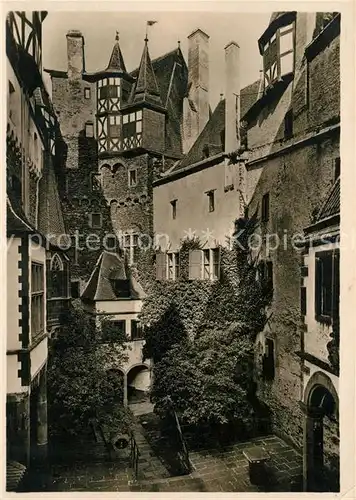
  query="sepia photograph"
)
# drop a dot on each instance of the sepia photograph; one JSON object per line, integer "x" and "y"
{"x": 172, "y": 251}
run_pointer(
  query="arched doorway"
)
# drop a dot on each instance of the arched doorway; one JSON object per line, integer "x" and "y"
{"x": 138, "y": 381}
{"x": 322, "y": 435}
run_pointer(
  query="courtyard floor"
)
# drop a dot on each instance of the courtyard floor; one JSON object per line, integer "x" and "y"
{"x": 214, "y": 469}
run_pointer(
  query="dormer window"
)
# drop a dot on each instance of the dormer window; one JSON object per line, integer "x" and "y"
{"x": 277, "y": 48}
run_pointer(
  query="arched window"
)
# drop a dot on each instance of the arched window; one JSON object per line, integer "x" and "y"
{"x": 58, "y": 277}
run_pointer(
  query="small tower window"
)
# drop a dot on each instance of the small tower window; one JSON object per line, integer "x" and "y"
{"x": 211, "y": 200}
{"x": 89, "y": 129}
{"x": 95, "y": 220}
{"x": 288, "y": 124}
{"x": 174, "y": 209}
{"x": 132, "y": 177}
{"x": 87, "y": 93}
{"x": 265, "y": 208}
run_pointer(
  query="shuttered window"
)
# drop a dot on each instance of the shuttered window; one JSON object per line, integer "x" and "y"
{"x": 195, "y": 264}
{"x": 327, "y": 285}
{"x": 161, "y": 266}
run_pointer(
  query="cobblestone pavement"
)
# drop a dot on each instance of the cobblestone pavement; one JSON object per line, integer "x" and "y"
{"x": 214, "y": 470}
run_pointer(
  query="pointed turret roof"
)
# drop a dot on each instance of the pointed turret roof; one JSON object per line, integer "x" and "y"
{"x": 116, "y": 62}
{"x": 146, "y": 88}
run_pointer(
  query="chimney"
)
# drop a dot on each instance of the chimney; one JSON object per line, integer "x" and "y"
{"x": 232, "y": 97}
{"x": 75, "y": 54}
{"x": 196, "y": 104}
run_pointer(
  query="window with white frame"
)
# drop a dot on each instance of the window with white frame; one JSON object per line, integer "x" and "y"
{"x": 89, "y": 129}
{"x": 131, "y": 247}
{"x": 37, "y": 299}
{"x": 278, "y": 54}
{"x": 204, "y": 264}
{"x": 114, "y": 125}
{"x": 87, "y": 93}
{"x": 132, "y": 129}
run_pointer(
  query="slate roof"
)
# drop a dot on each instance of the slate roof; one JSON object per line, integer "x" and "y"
{"x": 146, "y": 88}
{"x": 211, "y": 135}
{"x": 171, "y": 74}
{"x": 331, "y": 205}
{"x": 50, "y": 216}
{"x": 110, "y": 267}
{"x": 116, "y": 62}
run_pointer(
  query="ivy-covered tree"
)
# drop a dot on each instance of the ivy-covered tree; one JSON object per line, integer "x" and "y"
{"x": 208, "y": 375}
{"x": 82, "y": 389}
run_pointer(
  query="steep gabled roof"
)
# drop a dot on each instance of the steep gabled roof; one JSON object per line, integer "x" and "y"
{"x": 110, "y": 268}
{"x": 146, "y": 87}
{"x": 116, "y": 62}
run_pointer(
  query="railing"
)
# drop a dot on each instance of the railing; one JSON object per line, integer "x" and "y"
{"x": 134, "y": 455}
{"x": 182, "y": 449}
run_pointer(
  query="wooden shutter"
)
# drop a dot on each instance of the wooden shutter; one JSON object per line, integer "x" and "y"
{"x": 318, "y": 283}
{"x": 161, "y": 266}
{"x": 336, "y": 284}
{"x": 303, "y": 300}
{"x": 195, "y": 264}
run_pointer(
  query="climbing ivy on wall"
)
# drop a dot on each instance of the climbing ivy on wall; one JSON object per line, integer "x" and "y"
{"x": 201, "y": 334}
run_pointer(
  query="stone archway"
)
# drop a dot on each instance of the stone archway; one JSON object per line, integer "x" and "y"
{"x": 138, "y": 381}
{"x": 321, "y": 435}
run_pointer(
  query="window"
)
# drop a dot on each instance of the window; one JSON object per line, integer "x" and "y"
{"x": 278, "y": 55}
{"x": 95, "y": 182}
{"x": 327, "y": 285}
{"x": 75, "y": 294}
{"x": 114, "y": 125}
{"x": 132, "y": 129}
{"x": 265, "y": 208}
{"x": 337, "y": 168}
{"x": 265, "y": 272}
{"x": 211, "y": 199}
{"x": 161, "y": 266}
{"x": 131, "y": 247}
{"x": 87, "y": 94}
{"x": 35, "y": 149}
{"x": 95, "y": 220}
{"x": 132, "y": 177}
{"x": 58, "y": 285}
{"x": 121, "y": 288}
{"x": 136, "y": 330}
{"x": 114, "y": 331}
{"x": 174, "y": 209}
{"x": 89, "y": 129}
{"x": 176, "y": 265}
{"x": 204, "y": 264}
{"x": 268, "y": 368}
{"x": 37, "y": 299}
{"x": 288, "y": 124}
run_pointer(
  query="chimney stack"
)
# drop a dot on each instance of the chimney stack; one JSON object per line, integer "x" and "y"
{"x": 75, "y": 54}
{"x": 196, "y": 104}
{"x": 232, "y": 97}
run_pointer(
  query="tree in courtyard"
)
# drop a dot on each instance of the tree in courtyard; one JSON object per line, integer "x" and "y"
{"x": 209, "y": 376}
{"x": 81, "y": 387}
